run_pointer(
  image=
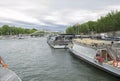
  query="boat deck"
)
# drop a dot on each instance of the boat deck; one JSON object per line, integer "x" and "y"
{"x": 117, "y": 64}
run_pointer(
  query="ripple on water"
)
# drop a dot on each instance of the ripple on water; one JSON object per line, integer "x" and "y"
{"x": 33, "y": 60}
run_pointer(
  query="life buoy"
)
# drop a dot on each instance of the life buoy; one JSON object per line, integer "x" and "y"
{"x": 115, "y": 63}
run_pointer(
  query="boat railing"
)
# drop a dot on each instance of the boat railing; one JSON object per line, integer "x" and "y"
{"x": 111, "y": 52}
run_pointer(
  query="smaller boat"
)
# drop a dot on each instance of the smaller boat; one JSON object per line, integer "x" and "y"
{"x": 60, "y": 41}
{"x": 21, "y": 37}
{"x": 8, "y": 75}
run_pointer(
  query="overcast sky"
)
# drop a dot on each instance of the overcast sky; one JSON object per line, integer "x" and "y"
{"x": 53, "y": 14}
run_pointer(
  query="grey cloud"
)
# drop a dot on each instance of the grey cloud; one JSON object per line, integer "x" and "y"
{"x": 55, "y": 14}
{"x": 83, "y": 4}
{"x": 17, "y": 23}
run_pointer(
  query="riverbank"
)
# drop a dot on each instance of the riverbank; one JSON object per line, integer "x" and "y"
{"x": 91, "y": 41}
{"x": 3, "y": 37}
{"x": 7, "y": 37}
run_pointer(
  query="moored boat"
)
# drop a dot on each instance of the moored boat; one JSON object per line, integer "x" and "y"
{"x": 21, "y": 37}
{"x": 60, "y": 41}
{"x": 105, "y": 57}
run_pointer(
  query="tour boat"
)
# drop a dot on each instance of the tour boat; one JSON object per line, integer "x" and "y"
{"x": 105, "y": 57}
{"x": 60, "y": 41}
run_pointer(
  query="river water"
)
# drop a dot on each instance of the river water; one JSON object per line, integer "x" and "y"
{"x": 33, "y": 60}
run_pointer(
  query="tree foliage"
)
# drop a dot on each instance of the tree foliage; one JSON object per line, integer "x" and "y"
{"x": 12, "y": 30}
{"x": 110, "y": 22}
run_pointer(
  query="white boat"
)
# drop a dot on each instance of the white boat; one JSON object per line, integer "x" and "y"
{"x": 105, "y": 58}
{"x": 21, "y": 37}
{"x": 60, "y": 41}
{"x": 8, "y": 75}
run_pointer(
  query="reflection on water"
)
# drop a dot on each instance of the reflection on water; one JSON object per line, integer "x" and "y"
{"x": 33, "y": 60}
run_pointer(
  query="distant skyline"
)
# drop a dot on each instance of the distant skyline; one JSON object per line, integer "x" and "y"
{"x": 53, "y": 14}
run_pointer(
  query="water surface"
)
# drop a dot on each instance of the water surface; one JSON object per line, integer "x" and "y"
{"x": 33, "y": 60}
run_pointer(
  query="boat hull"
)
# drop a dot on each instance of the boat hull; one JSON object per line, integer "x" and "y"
{"x": 93, "y": 62}
{"x": 56, "y": 46}
{"x": 59, "y": 46}
{"x": 8, "y": 75}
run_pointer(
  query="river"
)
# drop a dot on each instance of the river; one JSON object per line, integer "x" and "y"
{"x": 33, "y": 60}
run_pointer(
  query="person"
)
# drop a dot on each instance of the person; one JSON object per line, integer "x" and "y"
{"x": 104, "y": 54}
{"x": 99, "y": 58}
{"x": 5, "y": 65}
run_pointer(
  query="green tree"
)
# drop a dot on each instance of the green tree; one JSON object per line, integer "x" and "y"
{"x": 107, "y": 23}
{"x": 12, "y": 30}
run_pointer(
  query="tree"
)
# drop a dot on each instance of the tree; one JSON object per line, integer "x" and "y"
{"x": 12, "y": 30}
{"x": 108, "y": 23}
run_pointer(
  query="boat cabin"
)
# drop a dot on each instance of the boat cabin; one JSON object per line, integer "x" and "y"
{"x": 109, "y": 56}
{"x": 65, "y": 37}
{"x": 62, "y": 39}
{"x": 103, "y": 53}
